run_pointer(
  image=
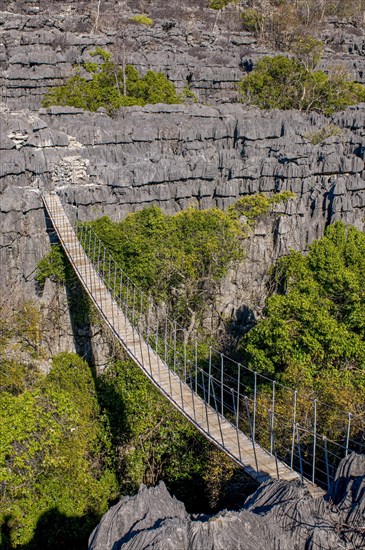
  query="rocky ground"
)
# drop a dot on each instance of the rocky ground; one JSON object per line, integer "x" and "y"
{"x": 278, "y": 516}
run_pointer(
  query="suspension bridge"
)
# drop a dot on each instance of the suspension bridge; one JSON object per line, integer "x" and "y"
{"x": 239, "y": 410}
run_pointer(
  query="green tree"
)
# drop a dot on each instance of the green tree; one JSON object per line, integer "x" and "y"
{"x": 314, "y": 323}
{"x": 53, "y": 266}
{"x": 179, "y": 259}
{"x": 153, "y": 439}
{"x": 283, "y": 83}
{"x": 54, "y": 454}
{"x": 220, "y": 4}
{"x": 312, "y": 338}
{"x": 252, "y": 20}
{"x": 254, "y": 207}
{"x": 105, "y": 87}
{"x": 142, "y": 19}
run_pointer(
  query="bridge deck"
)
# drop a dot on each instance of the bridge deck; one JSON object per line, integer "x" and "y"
{"x": 214, "y": 426}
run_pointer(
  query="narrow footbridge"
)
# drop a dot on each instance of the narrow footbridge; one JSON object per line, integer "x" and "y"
{"x": 238, "y": 410}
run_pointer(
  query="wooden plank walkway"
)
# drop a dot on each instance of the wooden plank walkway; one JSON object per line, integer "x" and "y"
{"x": 215, "y": 427}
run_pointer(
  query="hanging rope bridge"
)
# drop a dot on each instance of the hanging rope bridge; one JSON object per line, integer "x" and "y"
{"x": 237, "y": 409}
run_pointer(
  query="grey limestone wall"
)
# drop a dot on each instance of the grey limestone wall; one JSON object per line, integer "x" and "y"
{"x": 176, "y": 156}
{"x": 40, "y": 42}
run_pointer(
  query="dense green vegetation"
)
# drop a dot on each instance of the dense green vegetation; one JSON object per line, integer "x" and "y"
{"x": 53, "y": 266}
{"x": 55, "y": 454}
{"x": 220, "y": 4}
{"x": 152, "y": 441}
{"x": 281, "y": 82}
{"x": 178, "y": 259}
{"x": 181, "y": 259}
{"x": 110, "y": 86}
{"x": 96, "y": 439}
{"x": 312, "y": 334}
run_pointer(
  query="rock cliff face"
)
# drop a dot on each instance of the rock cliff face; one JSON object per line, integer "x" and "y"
{"x": 176, "y": 156}
{"x": 195, "y": 46}
{"x": 278, "y": 516}
{"x": 172, "y": 156}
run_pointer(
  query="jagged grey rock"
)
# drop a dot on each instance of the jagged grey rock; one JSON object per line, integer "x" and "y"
{"x": 188, "y": 42}
{"x": 175, "y": 156}
{"x": 280, "y": 515}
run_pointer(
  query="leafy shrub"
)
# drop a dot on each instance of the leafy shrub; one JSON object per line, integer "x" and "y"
{"x": 142, "y": 20}
{"x": 52, "y": 266}
{"x": 106, "y": 84}
{"x": 187, "y": 95}
{"x": 316, "y": 317}
{"x": 220, "y": 4}
{"x": 312, "y": 335}
{"x": 252, "y": 20}
{"x": 147, "y": 452}
{"x": 327, "y": 131}
{"x": 307, "y": 50}
{"x": 283, "y": 83}
{"x": 253, "y": 207}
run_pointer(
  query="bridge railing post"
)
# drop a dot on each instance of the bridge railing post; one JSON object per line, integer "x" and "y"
{"x": 326, "y": 460}
{"x": 293, "y": 430}
{"x": 205, "y": 399}
{"x": 166, "y": 339}
{"x": 133, "y": 319}
{"x": 114, "y": 290}
{"x": 209, "y": 372}
{"x": 174, "y": 350}
{"x": 126, "y": 308}
{"x": 272, "y": 438}
{"x": 196, "y": 364}
{"x": 251, "y": 430}
{"x": 148, "y": 336}
{"x": 191, "y": 378}
{"x": 238, "y": 395}
{"x": 216, "y": 409}
{"x": 348, "y": 433}
{"x": 184, "y": 344}
{"x": 314, "y": 440}
{"x": 254, "y": 406}
{"x": 272, "y": 418}
{"x": 157, "y": 344}
{"x": 237, "y": 432}
{"x": 222, "y": 384}
{"x": 299, "y": 451}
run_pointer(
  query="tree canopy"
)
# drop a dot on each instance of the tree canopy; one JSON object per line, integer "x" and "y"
{"x": 179, "y": 259}
{"x": 312, "y": 333}
{"x": 285, "y": 83}
{"x": 55, "y": 454}
{"x": 108, "y": 85}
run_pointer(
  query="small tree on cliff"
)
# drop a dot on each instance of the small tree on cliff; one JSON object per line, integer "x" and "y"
{"x": 281, "y": 82}
{"x": 107, "y": 84}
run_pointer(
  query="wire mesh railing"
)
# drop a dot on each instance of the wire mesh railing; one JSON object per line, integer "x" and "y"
{"x": 309, "y": 436}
